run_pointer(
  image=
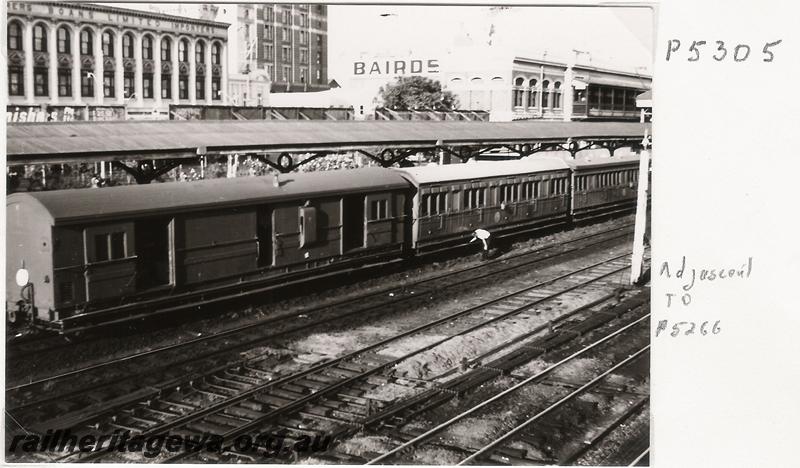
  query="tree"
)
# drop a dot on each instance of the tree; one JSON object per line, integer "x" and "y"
{"x": 417, "y": 92}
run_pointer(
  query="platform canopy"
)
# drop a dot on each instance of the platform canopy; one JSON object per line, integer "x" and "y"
{"x": 50, "y": 143}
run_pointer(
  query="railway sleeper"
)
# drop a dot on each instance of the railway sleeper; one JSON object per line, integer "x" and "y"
{"x": 244, "y": 412}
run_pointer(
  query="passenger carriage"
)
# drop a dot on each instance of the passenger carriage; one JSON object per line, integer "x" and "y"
{"x": 604, "y": 185}
{"x": 504, "y": 197}
{"x": 160, "y": 245}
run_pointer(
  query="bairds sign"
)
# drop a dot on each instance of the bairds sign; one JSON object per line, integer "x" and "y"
{"x": 396, "y": 67}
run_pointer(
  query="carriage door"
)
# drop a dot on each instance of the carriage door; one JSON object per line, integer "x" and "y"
{"x": 264, "y": 233}
{"x": 352, "y": 222}
{"x": 153, "y": 249}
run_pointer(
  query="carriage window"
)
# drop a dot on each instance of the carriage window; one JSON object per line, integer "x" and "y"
{"x": 378, "y": 209}
{"x": 474, "y": 198}
{"x": 433, "y": 204}
{"x": 109, "y": 246}
{"x": 530, "y": 190}
{"x": 508, "y": 193}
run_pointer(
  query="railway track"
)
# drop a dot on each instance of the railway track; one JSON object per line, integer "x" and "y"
{"x": 99, "y": 375}
{"x": 241, "y": 399}
{"x": 515, "y": 444}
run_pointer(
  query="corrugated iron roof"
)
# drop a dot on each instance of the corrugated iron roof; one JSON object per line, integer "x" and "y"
{"x": 107, "y": 203}
{"x": 26, "y": 141}
{"x": 480, "y": 169}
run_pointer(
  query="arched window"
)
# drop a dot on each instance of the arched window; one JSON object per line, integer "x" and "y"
{"x": 14, "y": 36}
{"x": 534, "y": 91}
{"x": 39, "y": 38}
{"x": 183, "y": 48}
{"x": 147, "y": 48}
{"x": 86, "y": 42}
{"x": 519, "y": 93}
{"x": 215, "y": 53}
{"x": 166, "y": 50}
{"x": 108, "y": 44}
{"x": 545, "y": 94}
{"x": 557, "y": 95}
{"x": 63, "y": 40}
{"x": 199, "y": 53}
{"x": 127, "y": 46}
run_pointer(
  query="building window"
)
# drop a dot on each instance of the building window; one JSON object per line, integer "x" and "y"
{"x": 147, "y": 48}
{"x": 216, "y": 95}
{"x": 183, "y": 47}
{"x": 319, "y": 76}
{"x": 40, "y": 82}
{"x": 199, "y": 55}
{"x": 378, "y": 209}
{"x": 303, "y": 55}
{"x": 15, "y": 82}
{"x": 319, "y": 58}
{"x": 303, "y": 75}
{"x": 127, "y": 46}
{"x": 532, "y": 93}
{"x": 303, "y": 20}
{"x": 545, "y": 93}
{"x": 287, "y": 74}
{"x": 108, "y": 84}
{"x": 127, "y": 85}
{"x": 39, "y": 39}
{"x": 287, "y": 16}
{"x": 14, "y": 36}
{"x": 166, "y": 52}
{"x": 200, "y": 88}
{"x": 183, "y": 87}
{"x": 269, "y": 32}
{"x": 108, "y": 44}
{"x": 147, "y": 85}
{"x": 285, "y": 34}
{"x": 286, "y": 54}
{"x": 215, "y": 54}
{"x": 303, "y": 37}
{"x": 86, "y": 42}
{"x": 319, "y": 40}
{"x": 87, "y": 83}
{"x": 271, "y": 71}
{"x": 166, "y": 86}
{"x": 63, "y": 40}
{"x": 557, "y": 95}
{"x": 269, "y": 52}
{"x": 269, "y": 13}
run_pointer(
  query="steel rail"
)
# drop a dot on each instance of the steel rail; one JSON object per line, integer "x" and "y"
{"x": 554, "y": 406}
{"x": 426, "y": 435}
{"x": 287, "y": 317}
{"x": 640, "y": 457}
{"x": 302, "y": 401}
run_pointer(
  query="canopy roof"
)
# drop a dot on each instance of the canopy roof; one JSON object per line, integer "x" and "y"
{"x": 33, "y": 143}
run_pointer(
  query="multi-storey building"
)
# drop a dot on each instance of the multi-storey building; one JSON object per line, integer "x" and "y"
{"x": 81, "y": 54}
{"x": 291, "y": 43}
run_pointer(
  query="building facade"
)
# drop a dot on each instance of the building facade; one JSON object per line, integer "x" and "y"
{"x": 271, "y": 47}
{"x": 507, "y": 86}
{"x": 91, "y": 55}
{"x": 290, "y": 42}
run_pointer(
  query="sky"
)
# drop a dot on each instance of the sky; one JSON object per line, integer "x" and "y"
{"x": 618, "y": 38}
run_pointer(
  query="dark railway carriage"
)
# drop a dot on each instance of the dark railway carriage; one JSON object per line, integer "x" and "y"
{"x": 605, "y": 185}
{"x": 92, "y": 250}
{"x": 503, "y": 196}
